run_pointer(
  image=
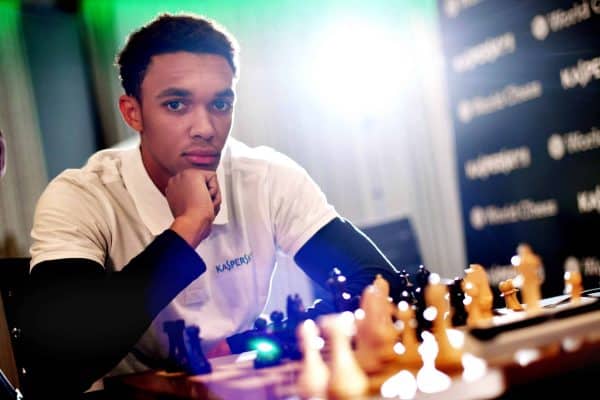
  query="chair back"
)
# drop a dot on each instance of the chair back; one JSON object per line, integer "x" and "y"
{"x": 14, "y": 273}
{"x": 398, "y": 242}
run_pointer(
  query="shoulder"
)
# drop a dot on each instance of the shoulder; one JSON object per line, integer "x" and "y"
{"x": 102, "y": 168}
{"x": 261, "y": 158}
{"x": 101, "y": 171}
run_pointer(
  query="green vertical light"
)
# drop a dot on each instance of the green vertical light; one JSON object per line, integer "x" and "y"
{"x": 9, "y": 15}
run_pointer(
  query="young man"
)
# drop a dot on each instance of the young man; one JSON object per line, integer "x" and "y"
{"x": 184, "y": 227}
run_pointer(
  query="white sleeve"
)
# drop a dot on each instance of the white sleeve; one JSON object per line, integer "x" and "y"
{"x": 68, "y": 223}
{"x": 297, "y": 205}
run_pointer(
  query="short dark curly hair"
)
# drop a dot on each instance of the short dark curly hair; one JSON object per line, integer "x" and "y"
{"x": 169, "y": 33}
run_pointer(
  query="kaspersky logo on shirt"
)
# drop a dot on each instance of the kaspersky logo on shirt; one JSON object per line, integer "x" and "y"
{"x": 234, "y": 263}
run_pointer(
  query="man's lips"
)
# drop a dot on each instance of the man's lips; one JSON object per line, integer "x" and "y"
{"x": 200, "y": 157}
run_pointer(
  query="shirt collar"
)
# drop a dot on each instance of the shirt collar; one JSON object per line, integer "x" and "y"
{"x": 150, "y": 203}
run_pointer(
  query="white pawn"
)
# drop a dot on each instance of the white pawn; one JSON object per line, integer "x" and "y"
{"x": 346, "y": 379}
{"x": 529, "y": 267}
{"x": 314, "y": 374}
{"x": 410, "y": 356}
{"x": 449, "y": 357}
{"x": 375, "y": 331}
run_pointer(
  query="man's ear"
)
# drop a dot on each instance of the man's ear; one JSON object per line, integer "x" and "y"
{"x": 131, "y": 110}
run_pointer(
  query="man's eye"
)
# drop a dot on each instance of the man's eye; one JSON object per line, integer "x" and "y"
{"x": 175, "y": 105}
{"x": 221, "y": 105}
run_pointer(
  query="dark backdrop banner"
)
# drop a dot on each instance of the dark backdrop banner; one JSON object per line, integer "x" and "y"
{"x": 524, "y": 84}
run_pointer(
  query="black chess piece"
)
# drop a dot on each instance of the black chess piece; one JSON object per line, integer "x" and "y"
{"x": 278, "y": 325}
{"x": 405, "y": 288}
{"x": 260, "y": 326}
{"x": 457, "y": 297}
{"x": 295, "y": 311}
{"x": 337, "y": 286}
{"x": 421, "y": 280}
{"x": 295, "y": 315}
{"x": 421, "y": 277}
{"x": 197, "y": 364}
{"x": 177, "y": 357}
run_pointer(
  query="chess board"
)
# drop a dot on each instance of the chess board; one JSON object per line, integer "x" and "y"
{"x": 549, "y": 354}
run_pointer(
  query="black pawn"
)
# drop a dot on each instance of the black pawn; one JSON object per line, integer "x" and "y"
{"x": 260, "y": 325}
{"x": 422, "y": 277}
{"x": 295, "y": 311}
{"x": 457, "y": 297}
{"x": 198, "y": 364}
{"x": 177, "y": 351}
{"x": 337, "y": 287}
{"x": 406, "y": 288}
{"x": 277, "y": 320}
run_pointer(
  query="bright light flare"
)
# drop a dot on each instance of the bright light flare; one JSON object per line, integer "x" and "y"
{"x": 402, "y": 385}
{"x": 359, "y": 67}
{"x": 474, "y": 368}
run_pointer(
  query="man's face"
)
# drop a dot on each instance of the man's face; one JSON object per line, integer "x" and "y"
{"x": 186, "y": 113}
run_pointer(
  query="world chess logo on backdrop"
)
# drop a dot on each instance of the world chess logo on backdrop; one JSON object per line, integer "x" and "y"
{"x": 523, "y": 210}
{"x": 589, "y": 266}
{"x": 508, "y": 96}
{"x": 477, "y": 218}
{"x": 556, "y": 147}
{"x": 539, "y": 27}
{"x": 580, "y": 74}
{"x": 485, "y": 53}
{"x": 454, "y": 7}
{"x": 499, "y": 273}
{"x": 559, "y": 19}
{"x": 589, "y": 200}
{"x": 502, "y": 162}
{"x": 573, "y": 142}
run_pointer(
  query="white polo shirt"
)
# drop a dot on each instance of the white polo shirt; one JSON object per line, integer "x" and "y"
{"x": 109, "y": 211}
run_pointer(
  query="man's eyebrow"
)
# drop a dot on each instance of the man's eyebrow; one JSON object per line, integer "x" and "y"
{"x": 175, "y": 92}
{"x": 226, "y": 93}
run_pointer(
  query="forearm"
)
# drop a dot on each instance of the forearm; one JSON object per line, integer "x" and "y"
{"x": 79, "y": 321}
{"x": 342, "y": 245}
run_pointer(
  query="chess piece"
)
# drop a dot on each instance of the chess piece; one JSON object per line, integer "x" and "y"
{"x": 177, "y": 357}
{"x": 474, "y": 315}
{"x": 295, "y": 311}
{"x": 405, "y": 288}
{"x": 337, "y": 286}
{"x": 409, "y": 357}
{"x": 422, "y": 277}
{"x": 376, "y": 334}
{"x": 457, "y": 303}
{"x": 314, "y": 373}
{"x": 528, "y": 266}
{"x": 509, "y": 292}
{"x": 197, "y": 364}
{"x": 476, "y": 275}
{"x": 346, "y": 379}
{"x": 420, "y": 282}
{"x": 573, "y": 285}
{"x": 449, "y": 357}
{"x": 276, "y": 318}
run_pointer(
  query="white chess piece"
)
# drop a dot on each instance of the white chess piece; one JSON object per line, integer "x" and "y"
{"x": 375, "y": 331}
{"x": 314, "y": 373}
{"x": 436, "y": 296}
{"x": 346, "y": 379}
{"x": 410, "y": 356}
{"x": 529, "y": 267}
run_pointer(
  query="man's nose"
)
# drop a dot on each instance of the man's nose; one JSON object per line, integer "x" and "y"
{"x": 202, "y": 126}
